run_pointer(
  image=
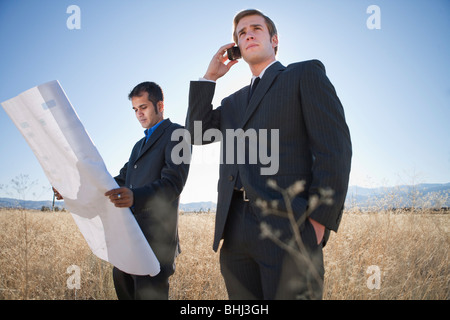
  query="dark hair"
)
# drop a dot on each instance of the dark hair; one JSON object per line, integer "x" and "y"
{"x": 252, "y": 12}
{"x": 155, "y": 93}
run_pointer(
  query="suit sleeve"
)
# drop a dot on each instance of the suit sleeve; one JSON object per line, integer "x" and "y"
{"x": 330, "y": 143}
{"x": 121, "y": 178}
{"x": 200, "y": 111}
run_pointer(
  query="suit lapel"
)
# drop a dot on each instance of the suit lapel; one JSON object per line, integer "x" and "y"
{"x": 242, "y": 104}
{"x": 269, "y": 77}
{"x": 154, "y": 137}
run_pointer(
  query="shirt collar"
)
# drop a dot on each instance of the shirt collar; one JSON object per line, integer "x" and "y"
{"x": 148, "y": 132}
{"x": 262, "y": 72}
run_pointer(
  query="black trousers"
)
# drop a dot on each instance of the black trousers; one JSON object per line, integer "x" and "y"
{"x": 258, "y": 268}
{"x": 134, "y": 287}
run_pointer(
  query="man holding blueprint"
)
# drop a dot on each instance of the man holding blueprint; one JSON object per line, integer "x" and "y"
{"x": 130, "y": 220}
{"x": 151, "y": 184}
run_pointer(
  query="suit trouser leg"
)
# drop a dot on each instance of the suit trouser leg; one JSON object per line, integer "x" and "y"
{"x": 134, "y": 287}
{"x": 124, "y": 284}
{"x": 255, "y": 268}
{"x": 239, "y": 270}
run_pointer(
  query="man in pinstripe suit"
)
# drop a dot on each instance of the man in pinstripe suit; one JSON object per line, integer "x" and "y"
{"x": 299, "y": 103}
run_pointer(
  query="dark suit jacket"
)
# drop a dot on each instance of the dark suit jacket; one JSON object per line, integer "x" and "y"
{"x": 156, "y": 183}
{"x": 314, "y": 140}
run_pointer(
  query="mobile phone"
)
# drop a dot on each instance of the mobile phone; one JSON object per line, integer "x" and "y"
{"x": 234, "y": 53}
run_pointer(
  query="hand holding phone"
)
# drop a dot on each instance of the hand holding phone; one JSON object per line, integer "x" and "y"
{"x": 218, "y": 67}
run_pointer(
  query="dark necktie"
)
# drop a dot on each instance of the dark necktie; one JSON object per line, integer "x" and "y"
{"x": 238, "y": 184}
{"x": 253, "y": 87}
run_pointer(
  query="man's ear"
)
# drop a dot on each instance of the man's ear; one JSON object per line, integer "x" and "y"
{"x": 160, "y": 106}
{"x": 275, "y": 41}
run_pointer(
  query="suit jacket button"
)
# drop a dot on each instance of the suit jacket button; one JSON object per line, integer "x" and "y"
{"x": 231, "y": 178}
{"x": 135, "y": 166}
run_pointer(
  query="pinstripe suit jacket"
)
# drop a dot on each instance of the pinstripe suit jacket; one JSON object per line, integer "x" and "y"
{"x": 314, "y": 140}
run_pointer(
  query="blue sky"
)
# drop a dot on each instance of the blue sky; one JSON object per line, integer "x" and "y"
{"x": 393, "y": 82}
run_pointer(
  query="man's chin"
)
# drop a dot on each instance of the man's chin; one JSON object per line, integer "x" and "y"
{"x": 253, "y": 58}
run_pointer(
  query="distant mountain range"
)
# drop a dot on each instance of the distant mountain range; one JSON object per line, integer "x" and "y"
{"x": 28, "y": 204}
{"x": 198, "y": 206}
{"x": 421, "y": 195}
{"x": 38, "y": 205}
{"x": 424, "y": 195}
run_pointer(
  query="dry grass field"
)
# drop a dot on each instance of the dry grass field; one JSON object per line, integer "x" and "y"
{"x": 380, "y": 255}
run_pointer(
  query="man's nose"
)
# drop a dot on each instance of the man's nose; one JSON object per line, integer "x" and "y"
{"x": 250, "y": 36}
